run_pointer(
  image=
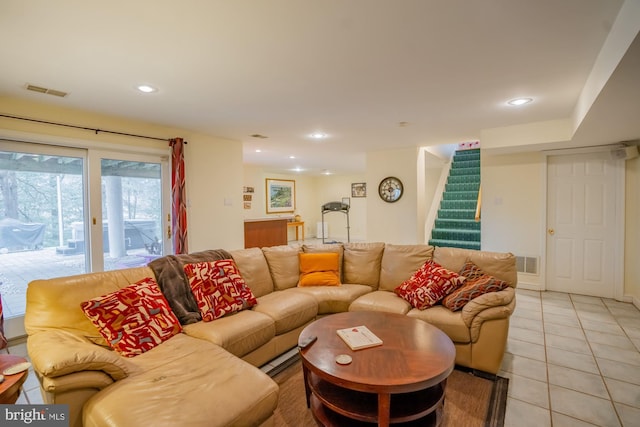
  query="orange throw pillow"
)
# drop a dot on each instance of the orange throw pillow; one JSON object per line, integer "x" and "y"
{"x": 319, "y": 269}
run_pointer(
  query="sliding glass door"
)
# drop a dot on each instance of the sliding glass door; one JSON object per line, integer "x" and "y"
{"x": 66, "y": 211}
{"x": 42, "y": 194}
{"x": 132, "y": 212}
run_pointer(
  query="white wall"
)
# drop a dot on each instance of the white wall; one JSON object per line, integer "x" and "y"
{"x": 512, "y": 203}
{"x": 311, "y": 193}
{"x": 434, "y": 168}
{"x": 213, "y": 169}
{"x": 393, "y": 222}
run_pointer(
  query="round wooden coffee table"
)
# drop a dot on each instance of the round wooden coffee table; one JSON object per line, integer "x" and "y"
{"x": 401, "y": 381}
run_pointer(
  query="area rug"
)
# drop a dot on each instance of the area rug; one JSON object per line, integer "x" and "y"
{"x": 470, "y": 400}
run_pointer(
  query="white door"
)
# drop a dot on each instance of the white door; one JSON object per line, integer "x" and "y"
{"x": 581, "y": 224}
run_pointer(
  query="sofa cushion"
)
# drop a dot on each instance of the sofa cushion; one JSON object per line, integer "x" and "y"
{"x": 399, "y": 262}
{"x": 284, "y": 265}
{"x": 288, "y": 310}
{"x": 381, "y": 301}
{"x": 254, "y": 269}
{"x": 334, "y": 299}
{"x": 476, "y": 284}
{"x": 499, "y": 265}
{"x": 451, "y": 323}
{"x": 193, "y": 382}
{"x": 361, "y": 263}
{"x": 430, "y": 284}
{"x": 133, "y": 319}
{"x": 218, "y": 288}
{"x": 239, "y": 333}
{"x": 319, "y": 269}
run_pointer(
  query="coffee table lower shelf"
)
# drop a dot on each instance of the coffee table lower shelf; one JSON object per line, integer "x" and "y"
{"x": 332, "y": 405}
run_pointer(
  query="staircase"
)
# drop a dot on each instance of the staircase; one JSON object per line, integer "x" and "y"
{"x": 455, "y": 225}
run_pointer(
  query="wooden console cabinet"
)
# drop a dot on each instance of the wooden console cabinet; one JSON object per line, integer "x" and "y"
{"x": 259, "y": 233}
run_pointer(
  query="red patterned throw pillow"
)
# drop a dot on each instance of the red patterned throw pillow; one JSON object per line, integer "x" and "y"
{"x": 218, "y": 288}
{"x": 477, "y": 283}
{"x": 134, "y": 319}
{"x": 428, "y": 285}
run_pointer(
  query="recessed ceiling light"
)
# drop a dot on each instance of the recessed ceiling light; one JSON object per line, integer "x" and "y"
{"x": 146, "y": 88}
{"x": 292, "y": 157}
{"x": 519, "y": 101}
{"x": 258, "y": 151}
{"x": 318, "y": 135}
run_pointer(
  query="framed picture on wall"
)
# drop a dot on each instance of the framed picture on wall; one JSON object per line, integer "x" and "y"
{"x": 281, "y": 195}
{"x": 359, "y": 189}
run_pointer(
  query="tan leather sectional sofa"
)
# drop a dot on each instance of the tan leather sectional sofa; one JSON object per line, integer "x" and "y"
{"x": 208, "y": 375}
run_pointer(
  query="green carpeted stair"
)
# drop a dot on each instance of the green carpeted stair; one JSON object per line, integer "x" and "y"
{"x": 456, "y": 225}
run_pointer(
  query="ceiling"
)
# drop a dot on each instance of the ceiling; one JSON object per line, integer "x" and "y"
{"x": 370, "y": 74}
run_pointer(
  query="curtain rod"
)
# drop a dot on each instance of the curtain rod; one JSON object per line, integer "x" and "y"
{"x": 96, "y": 130}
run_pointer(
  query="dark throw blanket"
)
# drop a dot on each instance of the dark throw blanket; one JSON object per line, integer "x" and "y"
{"x": 174, "y": 284}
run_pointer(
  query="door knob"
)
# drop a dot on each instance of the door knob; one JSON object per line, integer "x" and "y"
{"x": 551, "y": 231}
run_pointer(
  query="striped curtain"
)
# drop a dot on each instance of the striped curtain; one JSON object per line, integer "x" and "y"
{"x": 3, "y": 340}
{"x": 178, "y": 197}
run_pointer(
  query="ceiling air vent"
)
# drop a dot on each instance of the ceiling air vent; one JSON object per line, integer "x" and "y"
{"x": 47, "y": 91}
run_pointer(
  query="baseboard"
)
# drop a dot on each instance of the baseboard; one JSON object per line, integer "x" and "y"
{"x": 536, "y": 287}
{"x": 529, "y": 286}
{"x": 284, "y": 365}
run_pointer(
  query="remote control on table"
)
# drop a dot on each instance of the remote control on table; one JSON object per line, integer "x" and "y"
{"x": 307, "y": 342}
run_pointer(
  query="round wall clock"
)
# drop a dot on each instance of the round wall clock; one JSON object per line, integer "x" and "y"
{"x": 390, "y": 189}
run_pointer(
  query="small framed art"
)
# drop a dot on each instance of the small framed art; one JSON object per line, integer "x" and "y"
{"x": 359, "y": 189}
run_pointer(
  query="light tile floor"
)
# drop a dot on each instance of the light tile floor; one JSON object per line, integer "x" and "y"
{"x": 571, "y": 360}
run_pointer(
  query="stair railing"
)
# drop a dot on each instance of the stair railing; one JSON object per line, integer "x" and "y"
{"x": 479, "y": 204}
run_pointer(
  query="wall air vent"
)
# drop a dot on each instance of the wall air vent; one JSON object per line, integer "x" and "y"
{"x": 47, "y": 91}
{"x": 527, "y": 264}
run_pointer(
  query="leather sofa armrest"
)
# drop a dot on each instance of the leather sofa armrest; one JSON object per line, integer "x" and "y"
{"x": 55, "y": 353}
{"x": 85, "y": 380}
{"x": 486, "y": 301}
